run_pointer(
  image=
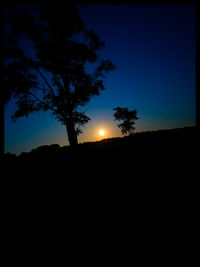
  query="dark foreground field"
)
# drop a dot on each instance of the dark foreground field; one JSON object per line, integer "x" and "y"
{"x": 145, "y": 147}
{"x": 151, "y": 173}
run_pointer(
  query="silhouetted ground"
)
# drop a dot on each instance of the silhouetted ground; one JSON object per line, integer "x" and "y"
{"x": 154, "y": 174}
{"x": 150, "y": 148}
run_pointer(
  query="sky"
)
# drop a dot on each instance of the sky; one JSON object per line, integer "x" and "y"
{"x": 153, "y": 48}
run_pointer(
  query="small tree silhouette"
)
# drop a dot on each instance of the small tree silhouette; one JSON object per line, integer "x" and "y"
{"x": 128, "y": 118}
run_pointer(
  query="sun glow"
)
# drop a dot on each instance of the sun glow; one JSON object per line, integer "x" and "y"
{"x": 102, "y": 132}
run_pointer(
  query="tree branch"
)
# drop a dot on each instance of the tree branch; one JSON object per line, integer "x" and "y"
{"x": 38, "y": 99}
{"x": 34, "y": 65}
{"x": 51, "y": 89}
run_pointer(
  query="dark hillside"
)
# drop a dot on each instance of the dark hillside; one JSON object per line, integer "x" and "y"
{"x": 145, "y": 170}
{"x": 144, "y": 146}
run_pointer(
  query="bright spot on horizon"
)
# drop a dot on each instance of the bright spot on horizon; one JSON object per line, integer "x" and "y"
{"x": 102, "y": 132}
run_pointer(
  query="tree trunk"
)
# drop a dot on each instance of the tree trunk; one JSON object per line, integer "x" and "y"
{"x": 70, "y": 127}
{"x": 72, "y": 135}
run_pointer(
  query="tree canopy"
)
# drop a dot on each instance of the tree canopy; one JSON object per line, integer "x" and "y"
{"x": 127, "y": 117}
{"x": 47, "y": 50}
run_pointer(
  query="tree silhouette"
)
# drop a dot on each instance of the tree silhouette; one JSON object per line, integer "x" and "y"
{"x": 128, "y": 118}
{"x": 51, "y": 72}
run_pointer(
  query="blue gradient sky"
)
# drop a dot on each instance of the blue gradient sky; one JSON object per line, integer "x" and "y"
{"x": 153, "y": 47}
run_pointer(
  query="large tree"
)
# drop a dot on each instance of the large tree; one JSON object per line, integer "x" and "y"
{"x": 48, "y": 51}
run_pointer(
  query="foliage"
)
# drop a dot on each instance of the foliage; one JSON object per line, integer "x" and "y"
{"x": 49, "y": 73}
{"x": 128, "y": 119}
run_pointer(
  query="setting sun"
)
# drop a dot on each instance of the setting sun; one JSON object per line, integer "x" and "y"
{"x": 102, "y": 132}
